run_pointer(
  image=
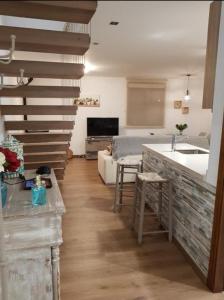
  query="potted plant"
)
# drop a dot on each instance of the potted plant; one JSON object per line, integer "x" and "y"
{"x": 181, "y": 128}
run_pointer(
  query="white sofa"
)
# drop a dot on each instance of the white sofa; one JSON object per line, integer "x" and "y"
{"x": 131, "y": 147}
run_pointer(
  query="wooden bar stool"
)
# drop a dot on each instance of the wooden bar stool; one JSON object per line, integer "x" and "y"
{"x": 125, "y": 166}
{"x": 142, "y": 182}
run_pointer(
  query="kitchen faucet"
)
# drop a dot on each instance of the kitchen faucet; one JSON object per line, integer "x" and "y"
{"x": 173, "y": 142}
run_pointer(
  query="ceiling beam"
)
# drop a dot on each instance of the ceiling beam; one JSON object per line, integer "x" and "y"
{"x": 65, "y": 11}
{"x": 48, "y": 41}
{"x": 35, "y": 91}
{"x": 42, "y": 69}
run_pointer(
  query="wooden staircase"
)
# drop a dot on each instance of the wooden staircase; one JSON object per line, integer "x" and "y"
{"x": 45, "y": 141}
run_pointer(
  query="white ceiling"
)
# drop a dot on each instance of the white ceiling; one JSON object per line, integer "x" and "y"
{"x": 157, "y": 39}
{"x": 154, "y": 39}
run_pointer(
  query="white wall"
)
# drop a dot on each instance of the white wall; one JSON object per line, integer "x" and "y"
{"x": 112, "y": 92}
{"x": 218, "y": 109}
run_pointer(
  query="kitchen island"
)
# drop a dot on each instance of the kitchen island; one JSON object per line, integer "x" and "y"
{"x": 193, "y": 197}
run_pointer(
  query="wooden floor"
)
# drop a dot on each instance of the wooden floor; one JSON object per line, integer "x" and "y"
{"x": 100, "y": 259}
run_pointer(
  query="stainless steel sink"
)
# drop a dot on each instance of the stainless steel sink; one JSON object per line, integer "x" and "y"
{"x": 192, "y": 151}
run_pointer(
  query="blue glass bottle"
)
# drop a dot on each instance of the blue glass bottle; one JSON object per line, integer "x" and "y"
{"x": 4, "y": 192}
{"x": 38, "y": 193}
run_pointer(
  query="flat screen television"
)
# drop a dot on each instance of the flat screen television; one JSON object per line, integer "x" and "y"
{"x": 102, "y": 126}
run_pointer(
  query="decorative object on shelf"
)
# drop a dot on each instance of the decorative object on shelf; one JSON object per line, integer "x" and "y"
{"x": 13, "y": 151}
{"x": 177, "y": 104}
{"x": 87, "y": 101}
{"x": 185, "y": 110}
{"x": 187, "y": 96}
{"x": 181, "y": 128}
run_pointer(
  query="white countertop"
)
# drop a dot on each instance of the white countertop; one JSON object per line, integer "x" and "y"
{"x": 198, "y": 163}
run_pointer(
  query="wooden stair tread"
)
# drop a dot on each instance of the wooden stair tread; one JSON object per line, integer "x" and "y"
{"x": 43, "y": 69}
{"x": 51, "y": 164}
{"x": 37, "y": 148}
{"x": 38, "y": 109}
{"x": 47, "y": 41}
{"x": 35, "y": 91}
{"x": 42, "y": 137}
{"x": 45, "y": 153}
{"x": 45, "y": 157}
{"x": 38, "y": 125}
{"x": 65, "y": 11}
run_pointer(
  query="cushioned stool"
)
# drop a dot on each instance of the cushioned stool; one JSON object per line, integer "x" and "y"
{"x": 142, "y": 181}
{"x": 124, "y": 166}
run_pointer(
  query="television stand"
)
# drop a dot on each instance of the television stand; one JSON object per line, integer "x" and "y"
{"x": 95, "y": 144}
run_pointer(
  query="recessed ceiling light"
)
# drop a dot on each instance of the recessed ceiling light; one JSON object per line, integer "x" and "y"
{"x": 115, "y": 23}
{"x": 95, "y": 43}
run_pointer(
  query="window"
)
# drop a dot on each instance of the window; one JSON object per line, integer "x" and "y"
{"x": 145, "y": 103}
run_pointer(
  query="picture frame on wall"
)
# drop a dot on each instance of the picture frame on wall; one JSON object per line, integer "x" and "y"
{"x": 185, "y": 110}
{"x": 177, "y": 104}
{"x": 87, "y": 101}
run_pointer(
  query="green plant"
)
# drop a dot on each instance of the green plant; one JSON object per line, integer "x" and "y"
{"x": 181, "y": 127}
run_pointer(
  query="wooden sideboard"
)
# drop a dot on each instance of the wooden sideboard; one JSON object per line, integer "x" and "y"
{"x": 32, "y": 238}
{"x": 95, "y": 144}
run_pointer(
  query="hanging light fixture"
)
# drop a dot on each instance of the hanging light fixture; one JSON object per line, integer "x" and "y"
{"x": 187, "y": 96}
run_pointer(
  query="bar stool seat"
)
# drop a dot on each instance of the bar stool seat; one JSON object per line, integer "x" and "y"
{"x": 142, "y": 181}
{"x": 151, "y": 177}
{"x": 125, "y": 166}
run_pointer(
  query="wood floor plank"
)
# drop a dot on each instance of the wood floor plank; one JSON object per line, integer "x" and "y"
{"x": 100, "y": 258}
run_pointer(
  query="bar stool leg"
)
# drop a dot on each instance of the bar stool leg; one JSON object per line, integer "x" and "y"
{"x": 135, "y": 201}
{"x": 160, "y": 202}
{"x": 117, "y": 188}
{"x": 141, "y": 214}
{"x": 170, "y": 209}
{"x": 121, "y": 187}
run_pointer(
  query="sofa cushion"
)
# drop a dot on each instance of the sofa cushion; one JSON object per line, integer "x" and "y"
{"x": 132, "y": 145}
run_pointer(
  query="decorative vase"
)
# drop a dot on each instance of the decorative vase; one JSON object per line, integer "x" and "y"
{"x": 4, "y": 192}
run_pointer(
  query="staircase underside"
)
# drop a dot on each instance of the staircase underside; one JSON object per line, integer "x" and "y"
{"x": 45, "y": 141}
